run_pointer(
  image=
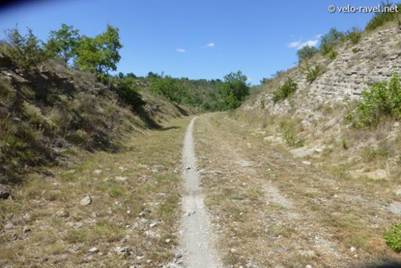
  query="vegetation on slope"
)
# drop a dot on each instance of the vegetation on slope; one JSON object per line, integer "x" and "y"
{"x": 380, "y": 100}
{"x": 382, "y": 18}
{"x": 211, "y": 95}
{"x": 365, "y": 153}
{"x": 285, "y": 90}
{"x": 59, "y": 94}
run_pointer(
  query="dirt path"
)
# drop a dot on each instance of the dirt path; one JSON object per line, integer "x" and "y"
{"x": 274, "y": 211}
{"x": 196, "y": 237}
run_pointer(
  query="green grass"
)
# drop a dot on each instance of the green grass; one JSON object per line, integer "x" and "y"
{"x": 393, "y": 237}
{"x": 370, "y": 154}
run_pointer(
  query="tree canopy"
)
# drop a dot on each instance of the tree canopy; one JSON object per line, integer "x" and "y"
{"x": 63, "y": 42}
{"x": 101, "y": 53}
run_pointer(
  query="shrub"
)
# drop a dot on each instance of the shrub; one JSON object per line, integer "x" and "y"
{"x": 355, "y": 50}
{"x": 331, "y": 53}
{"x": 289, "y": 132}
{"x": 354, "y": 36}
{"x": 25, "y": 50}
{"x": 236, "y": 82}
{"x": 382, "y": 99}
{"x": 233, "y": 90}
{"x": 79, "y": 137}
{"x": 312, "y": 72}
{"x": 381, "y": 18}
{"x": 330, "y": 40}
{"x": 306, "y": 52}
{"x": 393, "y": 237}
{"x": 127, "y": 91}
{"x": 284, "y": 91}
{"x": 168, "y": 87}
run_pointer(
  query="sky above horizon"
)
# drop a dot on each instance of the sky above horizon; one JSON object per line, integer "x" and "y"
{"x": 195, "y": 39}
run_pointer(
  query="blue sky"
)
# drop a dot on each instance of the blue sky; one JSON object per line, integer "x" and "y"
{"x": 194, "y": 38}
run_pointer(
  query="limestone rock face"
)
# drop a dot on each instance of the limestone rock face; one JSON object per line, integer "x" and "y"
{"x": 375, "y": 58}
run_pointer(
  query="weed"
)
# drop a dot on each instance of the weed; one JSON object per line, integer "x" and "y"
{"x": 312, "y": 72}
{"x": 393, "y": 237}
{"x": 370, "y": 154}
{"x": 354, "y": 36}
{"x": 289, "y": 133}
{"x": 340, "y": 171}
{"x": 344, "y": 144}
{"x": 332, "y": 54}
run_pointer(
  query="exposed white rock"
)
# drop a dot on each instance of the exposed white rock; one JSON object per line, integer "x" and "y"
{"x": 86, "y": 201}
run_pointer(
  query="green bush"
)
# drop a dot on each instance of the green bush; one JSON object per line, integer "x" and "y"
{"x": 312, "y": 72}
{"x": 284, "y": 91}
{"x": 382, "y": 99}
{"x": 233, "y": 90}
{"x": 382, "y": 18}
{"x": 355, "y": 50}
{"x": 127, "y": 90}
{"x": 236, "y": 82}
{"x": 204, "y": 94}
{"x": 329, "y": 41}
{"x": 168, "y": 87}
{"x": 331, "y": 53}
{"x": 393, "y": 237}
{"x": 354, "y": 36}
{"x": 306, "y": 52}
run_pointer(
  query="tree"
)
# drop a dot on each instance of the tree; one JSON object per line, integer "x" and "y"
{"x": 169, "y": 87}
{"x": 236, "y": 82}
{"x": 153, "y": 75}
{"x": 306, "y": 52}
{"x": 63, "y": 43}
{"x": 99, "y": 54}
{"x": 26, "y": 50}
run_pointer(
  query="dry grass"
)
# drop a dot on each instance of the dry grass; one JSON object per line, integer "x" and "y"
{"x": 135, "y": 204}
{"x": 323, "y": 217}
